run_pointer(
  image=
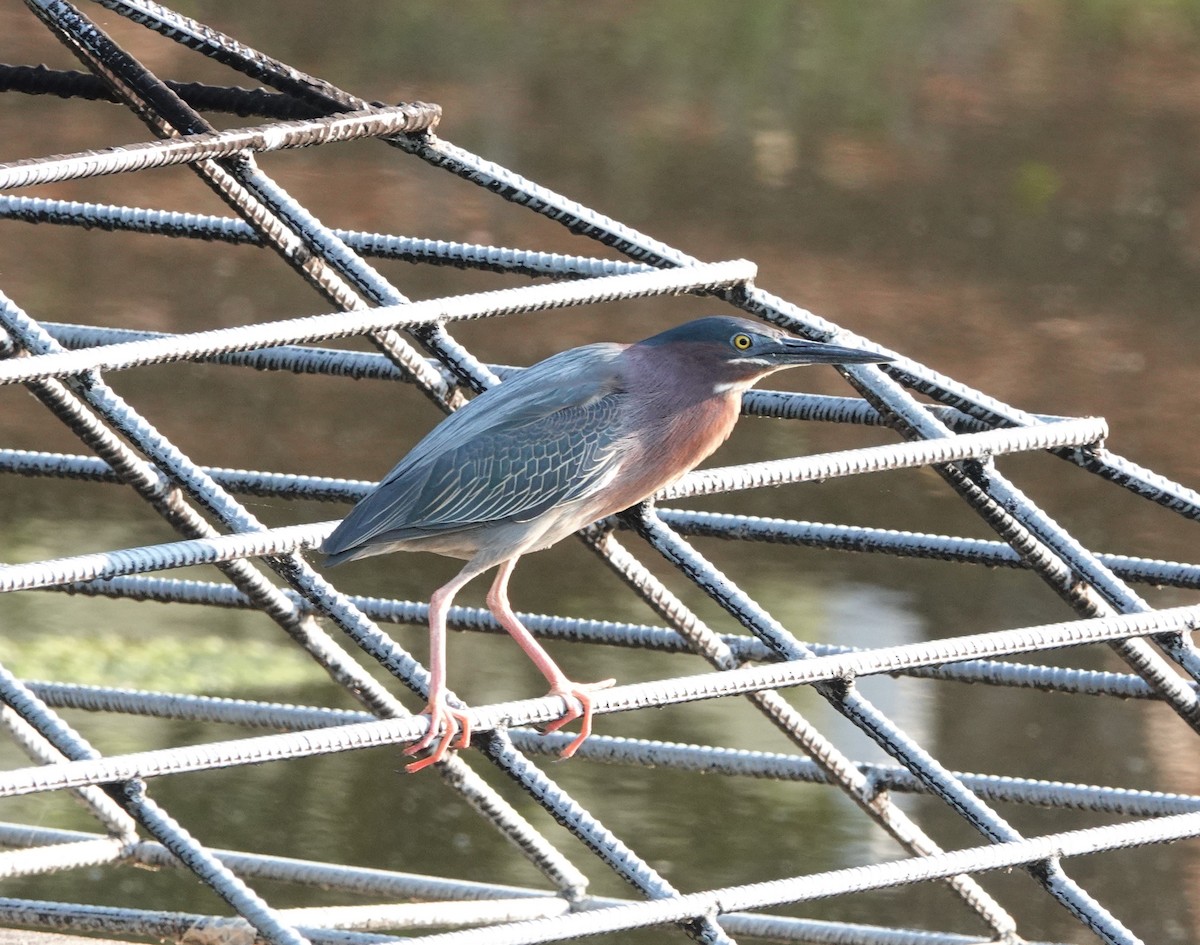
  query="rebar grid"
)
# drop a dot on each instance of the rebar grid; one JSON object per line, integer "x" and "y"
{"x": 959, "y": 435}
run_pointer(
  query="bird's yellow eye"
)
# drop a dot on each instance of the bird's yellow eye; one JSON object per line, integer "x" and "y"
{"x": 742, "y": 342}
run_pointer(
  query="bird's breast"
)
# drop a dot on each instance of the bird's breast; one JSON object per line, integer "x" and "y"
{"x": 666, "y": 441}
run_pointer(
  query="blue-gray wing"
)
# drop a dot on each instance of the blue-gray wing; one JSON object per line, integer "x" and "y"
{"x": 546, "y": 437}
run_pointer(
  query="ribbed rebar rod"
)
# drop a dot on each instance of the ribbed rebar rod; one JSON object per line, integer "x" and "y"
{"x": 671, "y": 691}
{"x": 425, "y": 915}
{"x": 1063, "y": 679}
{"x": 904, "y": 544}
{"x": 339, "y": 362}
{"x": 736, "y": 762}
{"x": 394, "y": 885}
{"x": 845, "y": 697}
{"x": 887, "y": 457}
{"x": 142, "y": 155}
{"x": 56, "y": 857}
{"x": 383, "y": 245}
{"x": 120, "y": 922}
{"x": 687, "y": 522}
{"x": 129, "y": 354}
{"x": 187, "y": 707}
{"x": 815, "y": 932}
{"x": 298, "y": 359}
{"x": 130, "y": 793}
{"x": 240, "y": 481}
{"x": 14, "y": 577}
{"x": 797, "y": 889}
{"x": 67, "y": 83}
{"x": 1141, "y": 481}
{"x": 612, "y": 750}
{"x": 838, "y": 767}
{"x": 359, "y": 880}
{"x": 37, "y": 748}
{"x": 201, "y": 929}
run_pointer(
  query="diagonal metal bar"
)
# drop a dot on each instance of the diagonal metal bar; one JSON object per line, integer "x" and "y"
{"x": 845, "y": 698}
{"x": 114, "y": 921}
{"x": 115, "y": 820}
{"x": 131, "y": 796}
{"x": 837, "y": 766}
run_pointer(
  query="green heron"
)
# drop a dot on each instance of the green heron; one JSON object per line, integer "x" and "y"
{"x": 575, "y": 438}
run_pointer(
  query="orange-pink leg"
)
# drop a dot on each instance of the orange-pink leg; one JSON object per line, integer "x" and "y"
{"x": 445, "y": 722}
{"x": 576, "y": 695}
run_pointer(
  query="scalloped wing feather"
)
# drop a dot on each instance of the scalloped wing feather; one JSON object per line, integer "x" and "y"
{"x": 548, "y": 436}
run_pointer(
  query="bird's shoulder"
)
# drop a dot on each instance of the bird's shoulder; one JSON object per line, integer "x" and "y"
{"x": 568, "y": 379}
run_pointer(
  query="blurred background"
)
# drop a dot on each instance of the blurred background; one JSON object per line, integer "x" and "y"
{"x": 1006, "y": 191}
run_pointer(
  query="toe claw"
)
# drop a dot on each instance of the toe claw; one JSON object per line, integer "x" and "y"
{"x": 450, "y": 728}
{"x": 579, "y": 706}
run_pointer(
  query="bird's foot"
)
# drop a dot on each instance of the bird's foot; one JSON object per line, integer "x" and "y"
{"x": 449, "y": 727}
{"x": 579, "y": 701}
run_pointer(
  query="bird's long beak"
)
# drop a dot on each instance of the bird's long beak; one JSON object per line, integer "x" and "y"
{"x": 799, "y": 351}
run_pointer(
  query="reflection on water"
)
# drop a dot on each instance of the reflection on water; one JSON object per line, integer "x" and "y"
{"x": 1006, "y": 191}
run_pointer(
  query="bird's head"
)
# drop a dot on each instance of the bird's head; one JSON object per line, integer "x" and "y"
{"x": 732, "y": 353}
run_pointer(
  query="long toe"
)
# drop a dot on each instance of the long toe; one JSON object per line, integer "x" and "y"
{"x": 447, "y": 727}
{"x": 579, "y": 701}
